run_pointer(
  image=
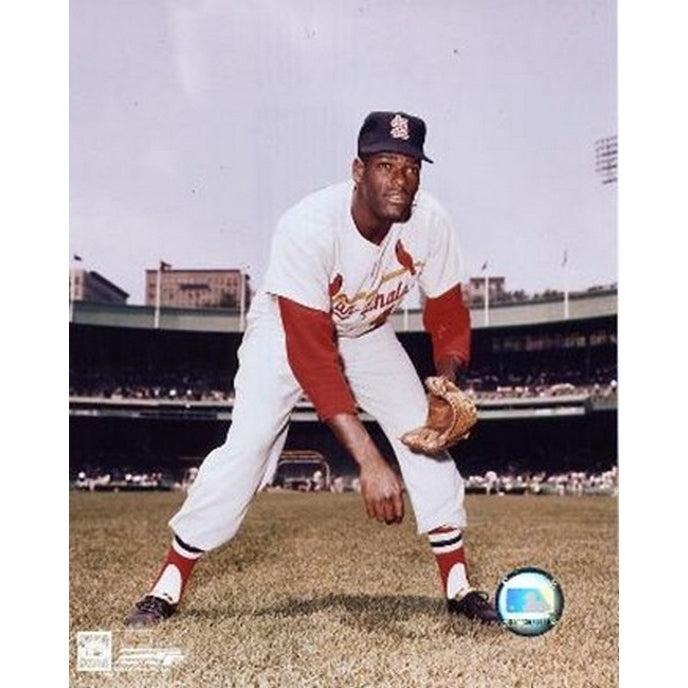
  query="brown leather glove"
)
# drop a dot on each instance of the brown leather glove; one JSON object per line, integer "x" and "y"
{"x": 451, "y": 415}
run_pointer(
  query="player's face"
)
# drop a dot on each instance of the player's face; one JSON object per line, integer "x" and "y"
{"x": 387, "y": 184}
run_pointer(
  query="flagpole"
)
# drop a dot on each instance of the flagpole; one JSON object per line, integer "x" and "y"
{"x": 242, "y": 299}
{"x": 486, "y": 298}
{"x": 72, "y": 290}
{"x": 565, "y": 264}
{"x": 156, "y": 323}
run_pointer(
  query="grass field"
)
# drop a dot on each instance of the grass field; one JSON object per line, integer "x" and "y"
{"x": 310, "y": 593}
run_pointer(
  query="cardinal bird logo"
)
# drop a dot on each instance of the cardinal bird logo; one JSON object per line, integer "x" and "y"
{"x": 335, "y": 285}
{"x": 404, "y": 257}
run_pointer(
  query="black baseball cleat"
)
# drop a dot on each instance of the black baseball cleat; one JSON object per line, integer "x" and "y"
{"x": 474, "y": 605}
{"x": 150, "y": 611}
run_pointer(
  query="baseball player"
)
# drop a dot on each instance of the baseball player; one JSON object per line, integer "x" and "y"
{"x": 342, "y": 260}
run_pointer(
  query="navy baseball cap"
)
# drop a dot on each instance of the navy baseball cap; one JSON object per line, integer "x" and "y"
{"x": 392, "y": 132}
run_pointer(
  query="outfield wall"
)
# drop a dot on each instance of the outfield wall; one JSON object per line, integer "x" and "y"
{"x": 557, "y": 444}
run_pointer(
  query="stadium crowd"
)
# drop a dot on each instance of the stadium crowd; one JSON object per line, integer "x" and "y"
{"x": 573, "y": 483}
{"x": 602, "y": 384}
{"x": 183, "y": 388}
{"x": 486, "y": 384}
{"x": 576, "y": 483}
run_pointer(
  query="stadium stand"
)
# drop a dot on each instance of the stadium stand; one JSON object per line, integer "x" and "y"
{"x": 148, "y": 400}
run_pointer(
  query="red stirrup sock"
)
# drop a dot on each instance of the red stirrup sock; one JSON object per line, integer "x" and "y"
{"x": 446, "y": 543}
{"x": 175, "y": 572}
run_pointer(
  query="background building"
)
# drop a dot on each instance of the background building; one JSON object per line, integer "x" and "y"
{"x": 85, "y": 285}
{"x": 170, "y": 288}
{"x": 476, "y": 288}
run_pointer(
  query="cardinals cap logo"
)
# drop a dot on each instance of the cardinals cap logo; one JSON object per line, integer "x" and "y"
{"x": 399, "y": 128}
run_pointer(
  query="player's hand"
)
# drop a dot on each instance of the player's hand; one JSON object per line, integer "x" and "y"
{"x": 382, "y": 492}
{"x": 381, "y": 488}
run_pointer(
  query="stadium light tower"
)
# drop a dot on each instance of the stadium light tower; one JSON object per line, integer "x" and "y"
{"x": 606, "y": 159}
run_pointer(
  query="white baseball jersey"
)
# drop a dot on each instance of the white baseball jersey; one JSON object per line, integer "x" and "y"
{"x": 319, "y": 259}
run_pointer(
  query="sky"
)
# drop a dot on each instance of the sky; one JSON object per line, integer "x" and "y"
{"x": 195, "y": 123}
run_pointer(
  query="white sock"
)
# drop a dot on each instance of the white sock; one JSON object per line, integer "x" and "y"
{"x": 457, "y": 582}
{"x": 169, "y": 586}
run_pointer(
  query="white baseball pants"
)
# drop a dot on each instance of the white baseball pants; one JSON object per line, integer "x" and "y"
{"x": 384, "y": 383}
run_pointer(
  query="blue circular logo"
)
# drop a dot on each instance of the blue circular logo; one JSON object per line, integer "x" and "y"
{"x": 529, "y": 601}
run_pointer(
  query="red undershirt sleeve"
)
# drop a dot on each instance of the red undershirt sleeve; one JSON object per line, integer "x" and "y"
{"x": 448, "y": 322}
{"x": 314, "y": 359}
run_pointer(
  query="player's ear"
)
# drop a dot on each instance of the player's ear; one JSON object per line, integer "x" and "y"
{"x": 357, "y": 170}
